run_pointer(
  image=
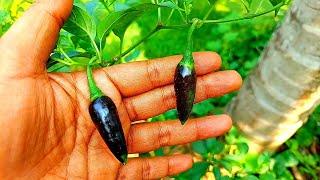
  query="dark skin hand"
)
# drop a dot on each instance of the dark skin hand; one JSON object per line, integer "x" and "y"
{"x": 46, "y": 131}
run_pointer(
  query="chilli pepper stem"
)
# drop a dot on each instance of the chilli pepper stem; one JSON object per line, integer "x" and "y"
{"x": 188, "y": 51}
{"x": 95, "y": 92}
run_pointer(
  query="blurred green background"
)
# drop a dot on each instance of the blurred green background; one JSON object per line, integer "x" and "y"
{"x": 240, "y": 44}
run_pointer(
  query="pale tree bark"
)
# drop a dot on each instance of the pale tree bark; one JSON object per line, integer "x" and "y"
{"x": 284, "y": 88}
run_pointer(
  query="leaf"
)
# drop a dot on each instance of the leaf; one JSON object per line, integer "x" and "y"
{"x": 80, "y": 24}
{"x": 249, "y": 2}
{"x": 214, "y": 146}
{"x": 65, "y": 41}
{"x": 243, "y": 148}
{"x": 279, "y": 166}
{"x": 119, "y": 21}
{"x": 202, "y": 109}
{"x": 251, "y": 163}
{"x": 121, "y": 27}
{"x": 199, "y": 147}
{"x": 212, "y": 1}
{"x": 82, "y": 45}
{"x": 267, "y": 176}
{"x": 196, "y": 172}
{"x": 274, "y": 3}
{"x": 144, "y": 155}
{"x": 132, "y": 55}
{"x": 226, "y": 164}
{"x": 264, "y": 158}
{"x": 305, "y": 137}
{"x": 171, "y": 5}
{"x": 83, "y": 60}
{"x": 217, "y": 173}
{"x": 287, "y": 158}
{"x": 159, "y": 152}
{"x": 58, "y": 67}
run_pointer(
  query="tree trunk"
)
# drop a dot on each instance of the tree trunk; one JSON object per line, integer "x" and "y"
{"x": 284, "y": 89}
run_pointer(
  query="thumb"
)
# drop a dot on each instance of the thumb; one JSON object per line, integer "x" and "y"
{"x": 27, "y": 45}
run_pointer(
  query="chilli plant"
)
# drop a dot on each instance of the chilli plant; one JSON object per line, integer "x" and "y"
{"x": 102, "y": 33}
{"x": 85, "y": 33}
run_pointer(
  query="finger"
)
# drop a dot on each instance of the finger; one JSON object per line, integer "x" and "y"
{"x": 28, "y": 43}
{"x": 138, "y": 77}
{"x": 162, "y": 99}
{"x": 155, "y": 168}
{"x": 145, "y": 137}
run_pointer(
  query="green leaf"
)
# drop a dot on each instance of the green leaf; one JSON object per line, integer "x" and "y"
{"x": 159, "y": 152}
{"x": 214, "y": 146}
{"x": 82, "y": 60}
{"x": 171, "y": 5}
{"x": 132, "y": 55}
{"x": 202, "y": 109}
{"x": 243, "y": 148}
{"x": 55, "y": 67}
{"x": 217, "y": 173}
{"x": 249, "y": 2}
{"x": 288, "y": 158}
{"x": 251, "y": 163}
{"x": 80, "y": 24}
{"x": 305, "y": 137}
{"x": 274, "y": 3}
{"x": 120, "y": 21}
{"x": 199, "y": 147}
{"x": 196, "y": 172}
{"x": 212, "y": 1}
{"x": 121, "y": 27}
{"x": 106, "y": 25}
{"x": 286, "y": 175}
{"x": 267, "y": 176}
{"x": 145, "y": 155}
{"x": 226, "y": 164}
{"x": 264, "y": 158}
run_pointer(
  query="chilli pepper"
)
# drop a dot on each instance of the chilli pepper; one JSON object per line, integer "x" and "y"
{"x": 185, "y": 80}
{"x": 105, "y": 116}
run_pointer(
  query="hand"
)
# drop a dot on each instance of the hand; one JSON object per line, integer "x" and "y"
{"x": 46, "y": 130}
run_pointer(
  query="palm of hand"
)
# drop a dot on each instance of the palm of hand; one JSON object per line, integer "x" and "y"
{"x": 54, "y": 132}
{"x": 47, "y": 131}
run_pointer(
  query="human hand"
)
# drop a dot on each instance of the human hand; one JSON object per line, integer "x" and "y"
{"x": 46, "y": 128}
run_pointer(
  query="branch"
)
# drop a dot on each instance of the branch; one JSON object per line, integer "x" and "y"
{"x": 249, "y": 16}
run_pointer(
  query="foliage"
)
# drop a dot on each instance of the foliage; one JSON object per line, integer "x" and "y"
{"x": 109, "y": 32}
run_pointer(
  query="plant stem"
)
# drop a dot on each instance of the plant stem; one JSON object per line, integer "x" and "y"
{"x": 155, "y": 30}
{"x": 190, "y": 33}
{"x": 208, "y": 13}
{"x": 97, "y": 50}
{"x": 66, "y": 55}
{"x": 170, "y": 15}
{"x": 182, "y": 17}
{"x": 112, "y": 3}
{"x": 186, "y": 12}
{"x": 188, "y": 52}
{"x": 95, "y": 92}
{"x": 249, "y": 16}
{"x": 182, "y": 26}
{"x": 62, "y": 62}
{"x": 159, "y": 13}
